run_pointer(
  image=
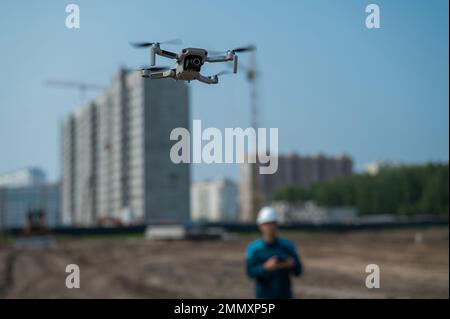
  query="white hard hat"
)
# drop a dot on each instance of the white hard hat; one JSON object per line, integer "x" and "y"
{"x": 267, "y": 215}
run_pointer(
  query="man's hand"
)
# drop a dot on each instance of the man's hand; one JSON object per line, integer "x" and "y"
{"x": 289, "y": 263}
{"x": 271, "y": 263}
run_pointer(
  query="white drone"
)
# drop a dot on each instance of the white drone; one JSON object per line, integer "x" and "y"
{"x": 188, "y": 62}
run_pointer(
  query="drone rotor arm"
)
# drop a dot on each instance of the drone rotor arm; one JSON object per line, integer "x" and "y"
{"x": 220, "y": 58}
{"x": 167, "y": 54}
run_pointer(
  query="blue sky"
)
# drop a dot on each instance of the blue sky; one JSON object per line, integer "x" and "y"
{"x": 327, "y": 82}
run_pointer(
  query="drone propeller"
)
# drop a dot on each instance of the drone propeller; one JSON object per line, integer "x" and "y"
{"x": 141, "y": 44}
{"x": 240, "y": 49}
{"x": 149, "y": 44}
{"x": 244, "y": 49}
{"x": 155, "y": 68}
{"x": 173, "y": 42}
{"x": 214, "y": 52}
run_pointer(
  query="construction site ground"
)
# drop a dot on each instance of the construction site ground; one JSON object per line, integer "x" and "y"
{"x": 414, "y": 263}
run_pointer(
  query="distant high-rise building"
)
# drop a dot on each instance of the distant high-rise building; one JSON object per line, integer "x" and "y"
{"x": 25, "y": 190}
{"x": 23, "y": 177}
{"x": 293, "y": 170}
{"x": 16, "y": 202}
{"x": 214, "y": 201}
{"x": 116, "y": 150}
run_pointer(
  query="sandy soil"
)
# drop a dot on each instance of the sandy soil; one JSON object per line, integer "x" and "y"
{"x": 137, "y": 268}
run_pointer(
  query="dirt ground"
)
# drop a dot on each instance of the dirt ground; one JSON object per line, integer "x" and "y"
{"x": 138, "y": 268}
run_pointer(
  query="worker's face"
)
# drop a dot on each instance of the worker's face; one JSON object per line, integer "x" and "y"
{"x": 268, "y": 230}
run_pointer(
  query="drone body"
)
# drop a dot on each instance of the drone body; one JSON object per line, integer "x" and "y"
{"x": 189, "y": 63}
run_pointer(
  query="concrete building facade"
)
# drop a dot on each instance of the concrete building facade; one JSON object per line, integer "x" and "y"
{"x": 116, "y": 154}
{"x": 214, "y": 201}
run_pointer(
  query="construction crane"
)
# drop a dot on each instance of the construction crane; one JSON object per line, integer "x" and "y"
{"x": 252, "y": 79}
{"x": 80, "y": 86}
{"x": 252, "y": 76}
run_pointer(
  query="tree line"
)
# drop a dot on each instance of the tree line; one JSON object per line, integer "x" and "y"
{"x": 406, "y": 190}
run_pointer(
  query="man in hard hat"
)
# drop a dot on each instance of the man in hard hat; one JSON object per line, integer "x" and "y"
{"x": 271, "y": 260}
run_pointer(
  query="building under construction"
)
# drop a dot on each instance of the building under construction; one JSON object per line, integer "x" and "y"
{"x": 115, "y": 150}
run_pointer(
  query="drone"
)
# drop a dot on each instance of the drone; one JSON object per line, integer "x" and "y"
{"x": 188, "y": 62}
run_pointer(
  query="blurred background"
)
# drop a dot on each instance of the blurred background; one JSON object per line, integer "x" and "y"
{"x": 86, "y": 176}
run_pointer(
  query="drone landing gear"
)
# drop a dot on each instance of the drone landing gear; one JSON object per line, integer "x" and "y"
{"x": 208, "y": 79}
{"x": 159, "y": 75}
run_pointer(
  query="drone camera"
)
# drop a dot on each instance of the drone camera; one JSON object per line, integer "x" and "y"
{"x": 193, "y": 63}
